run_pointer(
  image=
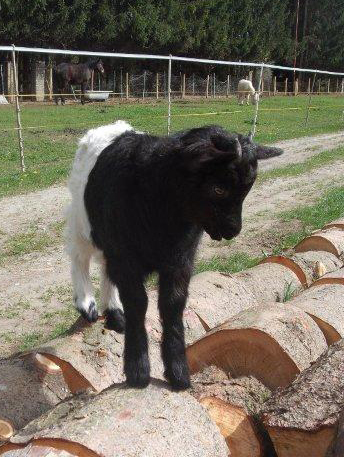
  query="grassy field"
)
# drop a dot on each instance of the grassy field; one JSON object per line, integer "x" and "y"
{"x": 51, "y": 132}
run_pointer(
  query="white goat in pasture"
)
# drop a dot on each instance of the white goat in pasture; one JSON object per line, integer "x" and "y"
{"x": 245, "y": 90}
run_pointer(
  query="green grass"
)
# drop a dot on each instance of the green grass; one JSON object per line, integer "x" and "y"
{"x": 328, "y": 208}
{"x": 59, "y": 320}
{"x": 33, "y": 240}
{"x": 29, "y": 340}
{"x": 15, "y": 310}
{"x": 51, "y": 132}
{"x": 232, "y": 264}
{"x": 296, "y": 169}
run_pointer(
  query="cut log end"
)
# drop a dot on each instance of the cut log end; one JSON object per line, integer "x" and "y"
{"x": 46, "y": 364}
{"x": 267, "y": 342}
{"x": 244, "y": 352}
{"x": 235, "y": 426}
{"x": 6, "y": 429}
{"x": 302, "y": 419}
{"x": 292, "y": 443}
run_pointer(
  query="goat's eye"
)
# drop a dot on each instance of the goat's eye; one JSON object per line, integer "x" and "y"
{"x": 219, "y": 191}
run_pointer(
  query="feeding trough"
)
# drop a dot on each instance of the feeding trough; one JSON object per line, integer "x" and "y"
{"x": 97, "y": 95}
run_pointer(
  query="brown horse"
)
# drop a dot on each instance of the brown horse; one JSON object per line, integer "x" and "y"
{"x": 69, "y": 73}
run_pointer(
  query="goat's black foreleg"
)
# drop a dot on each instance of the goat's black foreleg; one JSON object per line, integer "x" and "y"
{"x": 134, "y": 300}
{"x": 173, "y": 291}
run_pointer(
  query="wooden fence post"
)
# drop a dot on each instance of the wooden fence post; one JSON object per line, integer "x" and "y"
{"x": 262, "y": 87}
{"x": 207, "y": 88}
{"x": 50, "y": 82}
{"x": 227, "y": 88}
{"x": 92, "y": 79}
{"x": 296, "y": 87}
{"x": 127, "y": 85}
{"x": 342, "y": 87}
{"x": 275, "y": 85}
{"x": 309, "y": 86}
{"x": 157, "y": 86}
{"x": 16, "y": 96}
{"x": 328, "y": 85}
{"x": 183, "y": 85}
{"x": 286, "y": 86}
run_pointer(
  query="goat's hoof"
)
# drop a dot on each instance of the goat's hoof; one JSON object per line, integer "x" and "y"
{"x": 138, "y": 382}
{"x": 90, "y": 315}
{"x": 180, "y": 382}
{"x": 114, "y": 320}
{"x": 138, "y": 378}
{"x": 137, "y": 372}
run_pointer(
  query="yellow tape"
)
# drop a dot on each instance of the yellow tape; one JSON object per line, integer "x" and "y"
{"x": 211, "y": 113}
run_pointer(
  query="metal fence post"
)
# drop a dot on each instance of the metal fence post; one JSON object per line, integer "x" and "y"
{"x": 19, "y": 127}
{"x": 309, "y": 99}
{"x": 144, "y": 84}
{"x": 254, "y": 126}
{"x": 169, "y": 94}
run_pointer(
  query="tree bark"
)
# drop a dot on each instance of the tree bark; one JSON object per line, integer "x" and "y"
{"x": 338, "y": 224}
{"x": 124, "y": 422}
{"x": 269, "y": 282}
{"x": 90, "y": 356}
{"x": 215, "y": 297}
{"x": 324, "y": 304}
{"x": 308, "y": 266}
{"x": 303, "y": 419}
{"x": 331, "y": 240}
{"x": 28, "y": 388}
{"x": 273, "y": 343}
{"x": 336, "y": 277}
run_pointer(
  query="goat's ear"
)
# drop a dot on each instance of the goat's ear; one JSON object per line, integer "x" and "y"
{"x": 219, "y": 149}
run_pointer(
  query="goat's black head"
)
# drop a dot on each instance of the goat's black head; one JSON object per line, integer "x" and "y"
{"x": 221, "y": 169}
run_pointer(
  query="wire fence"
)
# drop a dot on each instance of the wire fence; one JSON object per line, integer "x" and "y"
{"x": 39, "y": 138}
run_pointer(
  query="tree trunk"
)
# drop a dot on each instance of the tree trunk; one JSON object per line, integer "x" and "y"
{"x": 87, "y": 357}
{"x": 325, "y": 305}
{"x": 215, "y": 297}
{"x": 308, "y": 266}
{"x": 29, "y": 386}
{"x": 269, "y": 282}
{"x": 273, "y": 343}
{"x": 232, "y": 403}
{"x": 235, "y": 426}
{"x": 338, "y": 224}
{"x": 123, "y": 422}
{"x": 336, "y": 277}
{"x": 90, "y": 356}
{"x": 302, "y": 419}
{"x": 331, "y": 240}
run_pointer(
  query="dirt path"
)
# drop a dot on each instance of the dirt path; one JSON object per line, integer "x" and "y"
{"x": 37, "y": 284}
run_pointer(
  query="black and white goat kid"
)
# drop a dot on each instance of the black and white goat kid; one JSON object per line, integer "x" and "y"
{"x": 140, "y": 203}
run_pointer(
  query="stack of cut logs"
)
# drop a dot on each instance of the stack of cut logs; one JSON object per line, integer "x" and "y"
{"x": 266, "y": 354}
